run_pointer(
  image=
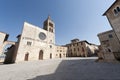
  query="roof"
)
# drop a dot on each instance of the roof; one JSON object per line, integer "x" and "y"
{"x": 4, "y": 33}
{"x": 105, "y": 32}
{"x": 18, "y": 36}
{"x": 109, "y": 8}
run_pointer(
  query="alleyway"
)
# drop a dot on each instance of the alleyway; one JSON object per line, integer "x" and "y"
{"x": 61, "y": 69}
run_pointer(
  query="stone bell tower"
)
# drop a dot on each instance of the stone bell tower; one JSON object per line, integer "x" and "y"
{"x": 49, "y": 26}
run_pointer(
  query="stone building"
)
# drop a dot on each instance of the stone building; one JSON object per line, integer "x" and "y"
{"x": 34, "y": 43}
{"x": 3, "y": 38}
{"x": 113, "y": 16}
{"x": 109, "y": 45}
{"x": 81, "y": 48}
{"x": 3, "y": 43}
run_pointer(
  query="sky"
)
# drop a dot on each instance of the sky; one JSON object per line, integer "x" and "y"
{"x": 80, "y": 19}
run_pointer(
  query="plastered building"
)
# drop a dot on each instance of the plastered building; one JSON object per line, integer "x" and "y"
{"x": 61, "y": 51}
{"x": 81, "y": 48}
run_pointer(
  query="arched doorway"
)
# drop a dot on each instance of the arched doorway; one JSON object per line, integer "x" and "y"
{"x": 60, "y": 55}
{"x": 41, "y": 55}
{"x": 50, "y": 55}
{"x": 26, "y": 57}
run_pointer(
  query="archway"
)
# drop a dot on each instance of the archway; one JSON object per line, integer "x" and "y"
{"x": 41, "y": 55}
{"x": 26, "y": 57}
{"x": 6, "y": 52}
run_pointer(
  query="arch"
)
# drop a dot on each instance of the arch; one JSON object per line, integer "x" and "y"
{"x": 50, "y": 55}
{"x": 26, "y": 57}
{"x": 41, "y": 55}
{"x": 2, "y": 47}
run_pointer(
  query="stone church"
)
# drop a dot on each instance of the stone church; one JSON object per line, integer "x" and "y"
{"x": 35, "y": 43}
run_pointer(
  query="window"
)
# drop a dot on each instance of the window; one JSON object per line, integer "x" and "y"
{"x": 83, "y": 49}
{"x": 110, "y": 36}
{"x": 115, "y": 11}
{"x": 77, "y": 44}
{"x": 29, "y": 43}
{"x": 74, "y": 49}
{"x": 81, "y": 43}
{"x": 118, "y": 9}
{"x": 50, "y": 46}
{"x": 109, "y": 50}
{"x": 73, "y": 44}
{"x": 60, "y": 50}
{"x": 50, "y": 24}
{"x": 78, "y": 49}
{"x": 57, "y": 50}
{"x": 50, "y": 29}
{"x": 51, "y": 41}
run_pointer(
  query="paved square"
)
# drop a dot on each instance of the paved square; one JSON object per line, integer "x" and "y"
{"x": 61, "y": 69}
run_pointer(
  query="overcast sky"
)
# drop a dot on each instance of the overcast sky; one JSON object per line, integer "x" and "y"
{"x": 80, "y": 19}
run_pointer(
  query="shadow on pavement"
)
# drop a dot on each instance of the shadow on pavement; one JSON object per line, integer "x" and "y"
{"x": 83, "y": 70}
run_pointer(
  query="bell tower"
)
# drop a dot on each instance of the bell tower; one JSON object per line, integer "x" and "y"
{"x": 49, "y": 25}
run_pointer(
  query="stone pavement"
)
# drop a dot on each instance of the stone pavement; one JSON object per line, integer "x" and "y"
{"x": 61, "y": 69}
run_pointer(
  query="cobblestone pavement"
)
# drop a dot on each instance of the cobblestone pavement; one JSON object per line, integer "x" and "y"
{"x": 61, "y": 69}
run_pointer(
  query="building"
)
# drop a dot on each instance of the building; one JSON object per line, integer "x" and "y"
{"x": 3, "y": 43}
{"x": 109, "y": 45}
{"x": 61, "y": 51}
{"x": 34, "y": 43}
{"x": 81, "y": 48}
{"x": 3, "y": 38}
{"x": 113, "y": 16}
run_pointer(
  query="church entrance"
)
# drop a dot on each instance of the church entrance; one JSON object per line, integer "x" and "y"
{"x": 50, "y": 55}
{"x": 26, "y": 57}
{"x": 41, "y": 55}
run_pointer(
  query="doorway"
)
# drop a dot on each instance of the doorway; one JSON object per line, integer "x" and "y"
{"x": 60, "y": 56}
{"x": 26, "y": 57}
{"x": 41, "y": 55}
{"x": 50, "y": 55}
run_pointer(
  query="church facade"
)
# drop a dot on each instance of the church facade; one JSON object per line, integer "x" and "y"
{"x": 34, "y": 43}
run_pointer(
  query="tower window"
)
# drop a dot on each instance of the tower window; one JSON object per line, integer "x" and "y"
{"x": 52, "y": 30}
{"x": 50, "y": 24}
{"x": 45, "y": 23}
